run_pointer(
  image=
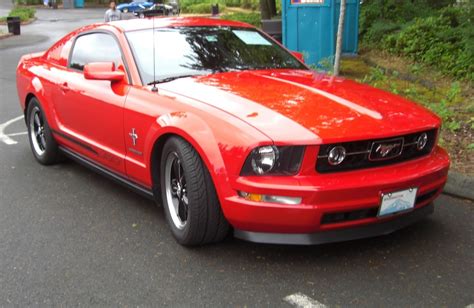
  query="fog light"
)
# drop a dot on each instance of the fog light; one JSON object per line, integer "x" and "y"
{"x": 421, "y": 141}
{"x": 270, "y": 198}
{"x": 251, "y": 197}
{"x": 336, "y": 155}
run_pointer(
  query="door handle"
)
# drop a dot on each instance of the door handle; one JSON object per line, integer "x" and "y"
{"x": 64, "y": 87}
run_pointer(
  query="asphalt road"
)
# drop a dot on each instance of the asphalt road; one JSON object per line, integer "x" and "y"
{"x": 71, "y": 237}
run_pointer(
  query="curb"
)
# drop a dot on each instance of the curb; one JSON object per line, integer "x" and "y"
{"x": 23, "y": 23}
{"x": 29, "y": 21}
{"x": 5, "y": 35}
{"x": 460, "y": 185}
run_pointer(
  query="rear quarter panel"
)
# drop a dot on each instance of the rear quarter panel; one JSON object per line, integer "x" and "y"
{"x": 27, "y": 81}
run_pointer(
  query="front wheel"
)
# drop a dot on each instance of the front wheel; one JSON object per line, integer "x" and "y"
{"x": 189, "y": 198}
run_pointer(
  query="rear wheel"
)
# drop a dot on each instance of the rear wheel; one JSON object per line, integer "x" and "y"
{"x": 189, "y": 197}
{"x": 42, "y": 143}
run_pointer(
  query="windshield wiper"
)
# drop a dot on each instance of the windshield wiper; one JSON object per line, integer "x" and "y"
{"x": 168, "y": 79}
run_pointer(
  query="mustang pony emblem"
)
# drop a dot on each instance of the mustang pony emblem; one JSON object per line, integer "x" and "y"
{"x": 385, "y": 149}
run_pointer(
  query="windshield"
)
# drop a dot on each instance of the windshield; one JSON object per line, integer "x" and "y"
{"x": 202, "y": 50}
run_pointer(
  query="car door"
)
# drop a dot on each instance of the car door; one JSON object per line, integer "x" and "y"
{"x": 90, "y": 112}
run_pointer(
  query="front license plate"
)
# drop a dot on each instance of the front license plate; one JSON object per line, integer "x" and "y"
{"x": 398, "y": 201}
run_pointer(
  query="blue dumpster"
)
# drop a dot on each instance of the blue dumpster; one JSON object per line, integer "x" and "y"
{"x": 310, "y": 27}
{"x": 78, "y": 3}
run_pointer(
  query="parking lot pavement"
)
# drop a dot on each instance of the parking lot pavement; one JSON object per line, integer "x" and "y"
{"x": 69, "y": 236}
{"x": 5, "y": 7}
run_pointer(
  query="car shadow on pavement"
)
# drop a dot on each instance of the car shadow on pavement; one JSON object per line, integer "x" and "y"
{"x": 108, "y": 186}
{"x": 416, "y": 235}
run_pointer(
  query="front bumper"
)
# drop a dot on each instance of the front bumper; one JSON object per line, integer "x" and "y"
{"x": 339, "y": 235}
{"x": 354, "y": 194}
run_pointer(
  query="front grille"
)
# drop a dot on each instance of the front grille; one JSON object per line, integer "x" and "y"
{"x": 337, "y": 217}
{"x": 360, "y": 154}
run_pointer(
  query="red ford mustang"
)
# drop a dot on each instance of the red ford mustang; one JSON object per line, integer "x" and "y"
{"x": 227, "y": 129}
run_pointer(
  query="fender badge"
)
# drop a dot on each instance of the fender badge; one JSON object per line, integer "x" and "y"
{"x": 134, "y": 136}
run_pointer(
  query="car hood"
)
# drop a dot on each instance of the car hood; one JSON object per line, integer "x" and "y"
{"x": 304, "y": 106}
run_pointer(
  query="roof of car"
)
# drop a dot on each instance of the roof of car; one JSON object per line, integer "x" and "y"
{"x": 161, "y": 22}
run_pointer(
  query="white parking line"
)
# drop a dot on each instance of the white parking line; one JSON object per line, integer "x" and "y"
{"x": 17, "y": 134}
{"x": 470, "y": 306}
{"x": 302, "y": 301}
{"x": 5, "y": 138}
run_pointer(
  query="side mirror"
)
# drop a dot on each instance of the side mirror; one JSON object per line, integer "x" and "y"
{"x": 102, "y": 71}
{"x": 299, "y": 55}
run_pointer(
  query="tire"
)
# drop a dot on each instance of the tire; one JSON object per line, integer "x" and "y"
{"x": 42, "y": 143}
{"x": 200, "y": 220}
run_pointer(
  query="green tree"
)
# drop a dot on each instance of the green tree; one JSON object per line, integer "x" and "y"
{"x": 268, "y": 8}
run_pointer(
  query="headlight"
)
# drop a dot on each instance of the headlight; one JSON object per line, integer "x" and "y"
{"x": 264, "y": 159}
{"x": 273, "y": 160}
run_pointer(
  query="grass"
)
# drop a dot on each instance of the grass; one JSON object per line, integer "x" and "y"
{"x": 252, "y": 18}
{"x": 453, "y": 101}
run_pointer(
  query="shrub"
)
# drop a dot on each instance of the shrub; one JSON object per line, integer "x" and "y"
{"x": 29, "y": 2}
{"x": 250, "y": 4}
{"x": 185, "y": 4}
{"x": 25, "y": 13}
{"x": 390, "y": 11}
{"x": 200, "y": 8}
{"x": 232, "y": 3}
{"x": 444, "y": 41}
{"x": 191, "y": 2}
{"x": 250, "y": 18}
{"x": 379, "y": 30}
{"x": 419, "y": 30}
{"x": 189, "y": 6}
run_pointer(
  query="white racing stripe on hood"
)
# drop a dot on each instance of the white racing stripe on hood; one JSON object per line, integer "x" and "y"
{"x": 265, "y": 119}
{"x": 357, "y": 108}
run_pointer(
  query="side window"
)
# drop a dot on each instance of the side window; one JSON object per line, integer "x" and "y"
{"x": 95, "y": 47}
